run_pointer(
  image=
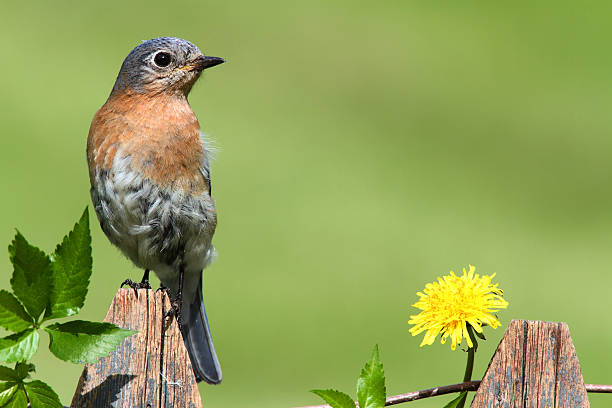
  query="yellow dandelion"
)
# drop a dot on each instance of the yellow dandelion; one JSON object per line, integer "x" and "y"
{"x": 453, "y": 302}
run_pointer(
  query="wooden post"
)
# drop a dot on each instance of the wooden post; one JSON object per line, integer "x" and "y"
{"x": 148, "y": 370}
{"x": 535, "y": 365}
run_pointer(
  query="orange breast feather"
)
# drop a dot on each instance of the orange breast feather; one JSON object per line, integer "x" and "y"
{"x": 160, "y": 134}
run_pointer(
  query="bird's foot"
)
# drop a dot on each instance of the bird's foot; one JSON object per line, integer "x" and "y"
{"x": 175, "y": 311}
{"x": 162, "y": 288}
{"x": 144, "y": 284}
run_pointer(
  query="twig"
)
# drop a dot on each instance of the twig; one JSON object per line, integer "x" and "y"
{"x": 598, "y": 388}
{"x": 432, "y": 392}
{"x": 449, "y": 389}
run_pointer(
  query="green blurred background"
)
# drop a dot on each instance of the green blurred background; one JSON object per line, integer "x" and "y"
{"x": 365, "y": 148}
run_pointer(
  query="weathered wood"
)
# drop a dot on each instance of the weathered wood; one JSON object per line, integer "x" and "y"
{"x": 148, "y": 370}
{"x": 535, "y": 365}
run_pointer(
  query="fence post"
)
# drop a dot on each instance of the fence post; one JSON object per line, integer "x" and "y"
{"x": 535, "y": 365}
{"x": 148, "y": 370}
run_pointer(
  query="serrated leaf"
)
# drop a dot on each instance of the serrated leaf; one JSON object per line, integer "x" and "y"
{"x": 23, "y": 370}
{"x": 19, "y": 347}
{"x": 457, "y": 401}
{"x": 13, "y": 316}
{"x": 41, "y": 395}
{"x": 71, "y": 269}
{"x": 371, "y": 391}
{"x": 7, "y": 390}
{"x": 335, "y": 398}
{"x": 19, "y": 399}
{"x": 81, "y": 341}
{"x": 31, "y": 280}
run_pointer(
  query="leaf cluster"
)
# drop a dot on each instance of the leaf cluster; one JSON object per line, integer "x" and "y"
{"x": 47, "y": 287}
{"x": 16, "y": 392}
{"x": 371, "y": 390}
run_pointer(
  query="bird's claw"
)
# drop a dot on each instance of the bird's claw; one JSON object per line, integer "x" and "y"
{"x": 175, "y": 311}
{"x": 144, "y": 284}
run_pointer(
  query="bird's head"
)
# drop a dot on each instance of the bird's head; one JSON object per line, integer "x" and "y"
{"x": 164, "y": 64}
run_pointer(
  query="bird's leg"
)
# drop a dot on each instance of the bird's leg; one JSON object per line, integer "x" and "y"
{"x": 177, "y": 302}
{"x": 143, "y": 284}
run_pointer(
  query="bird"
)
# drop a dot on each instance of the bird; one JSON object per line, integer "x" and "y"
{"x": 149, "y": 168}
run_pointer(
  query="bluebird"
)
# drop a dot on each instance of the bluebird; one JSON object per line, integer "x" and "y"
{"x": 150, "y": 181}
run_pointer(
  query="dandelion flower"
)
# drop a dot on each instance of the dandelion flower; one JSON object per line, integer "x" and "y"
{"x": 453, "y": 302}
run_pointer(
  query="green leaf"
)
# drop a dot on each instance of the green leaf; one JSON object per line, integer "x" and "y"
{"x": 459, "y": 400}
{"x": 371, "y": 384}
{"x": 8, "y": 374}
{"x": 81, "y": 341}
{"x": 336, "y": 399}
{"x": 23, "y": 370}
{"x": 41, "y": 395}
{"x": 19, "y": 399}
{"x": 19, "y": 346}
{"x": 13, "y": 316}
{"x": 31, "y": 281}
{"x": 71, "y": 268}
{"x": 6, "y": 392}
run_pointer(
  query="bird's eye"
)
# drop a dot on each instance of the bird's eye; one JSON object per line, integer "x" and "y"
{"x": 162, "y": 59}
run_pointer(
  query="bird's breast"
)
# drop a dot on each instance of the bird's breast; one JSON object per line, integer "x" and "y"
{"x": 159, "y": 135}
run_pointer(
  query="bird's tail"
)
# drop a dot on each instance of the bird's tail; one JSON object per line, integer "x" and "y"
{"x": 198, "y": 340}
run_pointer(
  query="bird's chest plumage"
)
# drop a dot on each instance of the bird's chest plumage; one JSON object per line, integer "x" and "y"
{"x": 150, "y": 182}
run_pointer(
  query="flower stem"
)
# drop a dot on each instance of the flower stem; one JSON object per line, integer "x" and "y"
{"x": 469, "y": 367}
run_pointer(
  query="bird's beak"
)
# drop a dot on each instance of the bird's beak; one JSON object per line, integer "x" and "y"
{"x": 205, "y": 61}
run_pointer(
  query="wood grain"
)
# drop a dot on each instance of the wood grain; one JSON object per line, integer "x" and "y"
{"x": 535, "y": 366}
{"x": 148, "y": 370}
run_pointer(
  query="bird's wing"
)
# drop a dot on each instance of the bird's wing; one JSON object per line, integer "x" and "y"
{"x": 209, "y": 154}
